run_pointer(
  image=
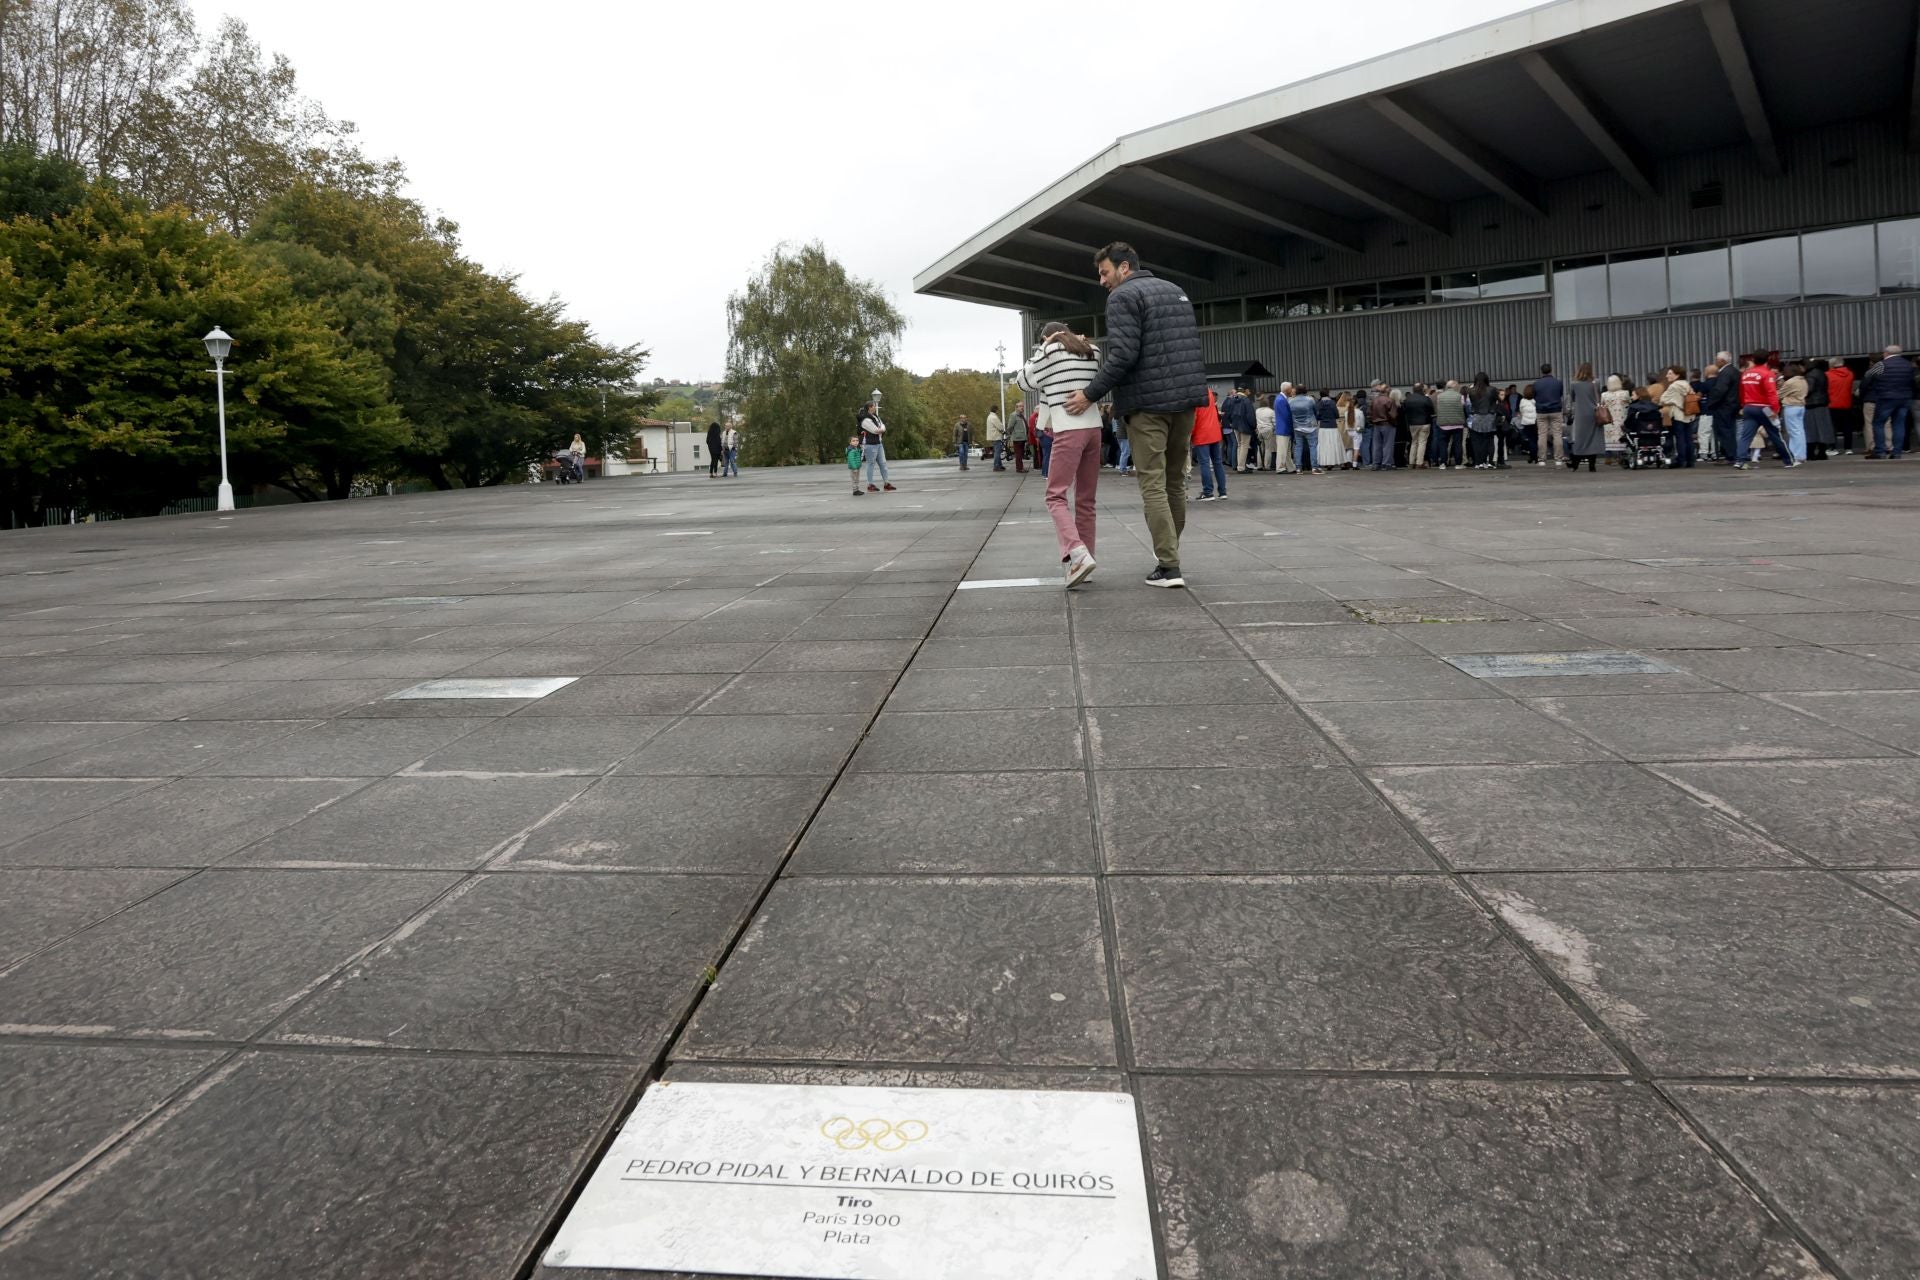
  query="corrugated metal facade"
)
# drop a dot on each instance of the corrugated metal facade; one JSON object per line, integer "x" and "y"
{"x": 1856, "y": 172}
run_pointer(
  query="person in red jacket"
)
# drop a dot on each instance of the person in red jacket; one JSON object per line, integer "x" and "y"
{"x": 1206, "y": 450}
{"x": 1759, "y": 407}
{"x": 1846, "y": 414}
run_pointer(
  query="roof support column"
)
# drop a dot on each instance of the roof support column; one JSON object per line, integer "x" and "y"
{"x": 1472, "y": 157}
{"x": 1725, "y": 30}
{"x": 1588, "y": 116}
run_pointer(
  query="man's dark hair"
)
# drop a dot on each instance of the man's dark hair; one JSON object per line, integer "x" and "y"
{"x": 1120, "y": 254}
{"x": 1546, "y": 371}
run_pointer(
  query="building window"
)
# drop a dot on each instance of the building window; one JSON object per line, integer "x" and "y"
{"x": 1356, "y": 297}
{"x": 1461, "y": 286}
{"x": 1766, "y": 272}
{"x": 1310, "y": 302}
{"x": 1404, "y": 293}
{"x": 1838, "y": 264}
{"x": 1224, "y": 311}
{"x": 1513, "y": 282}
{"x": 1288, "y": 306}
{"x": 1698, "y": 277}
{"x": 1900, "y": 256}
{"x": 1272, "y": 306}
{"x": 1579, "y": 288}
{"x": 1637, "y": 284}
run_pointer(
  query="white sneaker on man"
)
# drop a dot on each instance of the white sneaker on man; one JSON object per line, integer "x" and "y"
{"x": 1079, "y": 566}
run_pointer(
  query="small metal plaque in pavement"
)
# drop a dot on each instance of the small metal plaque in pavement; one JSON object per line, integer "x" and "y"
{"x": 1506, "y": 666}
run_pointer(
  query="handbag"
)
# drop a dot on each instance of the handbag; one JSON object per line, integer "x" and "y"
{"x": 1602, "y": 415}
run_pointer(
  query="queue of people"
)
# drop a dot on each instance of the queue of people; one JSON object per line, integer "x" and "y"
{"x": 1722, "y": 413}
{"x": 1140, "y": 403}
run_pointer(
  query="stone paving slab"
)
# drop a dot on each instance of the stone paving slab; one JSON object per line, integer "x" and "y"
{"x": 1350, "y": 973}
{"x": 1762, "y": 973}
{"x": 1411, "y": 973}
{"x": 424, "y": 1132}
{"x": 1844, "y": 1157}
{"x": 1340, "y": 1177}
{"x": 1020, "y": 978}
{"x": 150, "y": 971}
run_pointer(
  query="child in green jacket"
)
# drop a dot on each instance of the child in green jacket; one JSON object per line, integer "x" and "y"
{"x": 853, "y": 462}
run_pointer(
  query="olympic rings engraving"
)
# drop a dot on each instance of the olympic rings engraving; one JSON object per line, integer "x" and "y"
{"x": 881, "y": 1135}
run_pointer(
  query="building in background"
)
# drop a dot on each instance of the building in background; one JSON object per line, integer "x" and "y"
{"x": 662, "y": 446}
{"x": 1630, "y": 182}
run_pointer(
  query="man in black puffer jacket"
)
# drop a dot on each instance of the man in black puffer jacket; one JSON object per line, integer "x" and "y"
{"x": 1150, "y": 364}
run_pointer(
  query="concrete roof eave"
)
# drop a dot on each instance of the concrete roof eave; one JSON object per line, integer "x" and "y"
{"x": 1501, "y": 38}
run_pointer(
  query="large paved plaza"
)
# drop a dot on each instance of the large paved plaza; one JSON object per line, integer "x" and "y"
{"x": 1418, "y": 961}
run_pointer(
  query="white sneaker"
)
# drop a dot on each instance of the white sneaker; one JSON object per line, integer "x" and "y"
{"x": 1079, "y": 566}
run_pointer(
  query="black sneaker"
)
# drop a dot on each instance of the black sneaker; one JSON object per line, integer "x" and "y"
{"x": 1162, "y": 576}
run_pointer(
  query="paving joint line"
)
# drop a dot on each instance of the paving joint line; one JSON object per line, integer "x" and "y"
{"x": 581, "y": 1175}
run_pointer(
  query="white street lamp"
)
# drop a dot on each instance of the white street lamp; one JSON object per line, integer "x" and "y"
{"x": 1000, "y": 376}
{"x": 218, "y": 345}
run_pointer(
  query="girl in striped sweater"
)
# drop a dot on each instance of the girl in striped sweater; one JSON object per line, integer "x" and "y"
{"x": 1065, "y": 363}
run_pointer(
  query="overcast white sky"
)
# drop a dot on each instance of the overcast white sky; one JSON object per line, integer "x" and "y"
{"x": 641, "y": 159}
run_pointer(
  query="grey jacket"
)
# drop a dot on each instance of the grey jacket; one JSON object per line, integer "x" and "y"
{"x": 1151, "y": 361}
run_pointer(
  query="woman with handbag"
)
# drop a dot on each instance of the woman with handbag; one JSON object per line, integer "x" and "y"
{"x": 1615, "y": 399}
{"x": 1587, "y": 438}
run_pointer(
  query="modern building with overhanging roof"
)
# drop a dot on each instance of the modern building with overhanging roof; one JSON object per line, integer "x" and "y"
{"x": 1631, "y": 182}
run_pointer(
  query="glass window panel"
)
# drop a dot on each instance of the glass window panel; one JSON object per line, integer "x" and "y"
{"x": 1698, "y": 277}
{"x": 1838, "y": 263}
{"x": 1308, "y": 302}
{"x": 1900, "y": 256}
{"x": 1512, "y": 282}
{"x": 1272, "y": 306}
{"x": 1579, "y": 289}
{"x": 1460, "y": 286}
{"x": 1356, "y": 297}
{"x": 1637, "y": 284}
{"x": 1404, "y": 293}
{"x": 1766, "y": 271}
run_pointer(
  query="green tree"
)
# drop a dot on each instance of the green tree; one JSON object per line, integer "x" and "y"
{"x": 486, "y": 381}
{"x": 104, "y": 392}
{"x": 678, "y": 407}
{"x": 948, "y": 393}
{"x": 806, "y": 343}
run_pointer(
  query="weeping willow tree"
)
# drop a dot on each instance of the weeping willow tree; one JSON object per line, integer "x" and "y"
{"x": 806, "y": 344}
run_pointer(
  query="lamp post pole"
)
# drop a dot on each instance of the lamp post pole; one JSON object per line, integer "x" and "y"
{"x": 1000, "y": 376}
{"x": 218, "y": 345}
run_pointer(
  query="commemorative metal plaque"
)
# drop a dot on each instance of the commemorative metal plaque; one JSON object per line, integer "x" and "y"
{"x": 486, "y": 687}
{"x": 855, "y": 1183}
{"x": 1506, "y": 666}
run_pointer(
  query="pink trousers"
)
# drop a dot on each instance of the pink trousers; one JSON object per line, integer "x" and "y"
{"x": 1075, "y": 464}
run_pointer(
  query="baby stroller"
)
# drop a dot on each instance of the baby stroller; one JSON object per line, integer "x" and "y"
{"x": 566, "y": 468}
{"x": 1646, "y": 437}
